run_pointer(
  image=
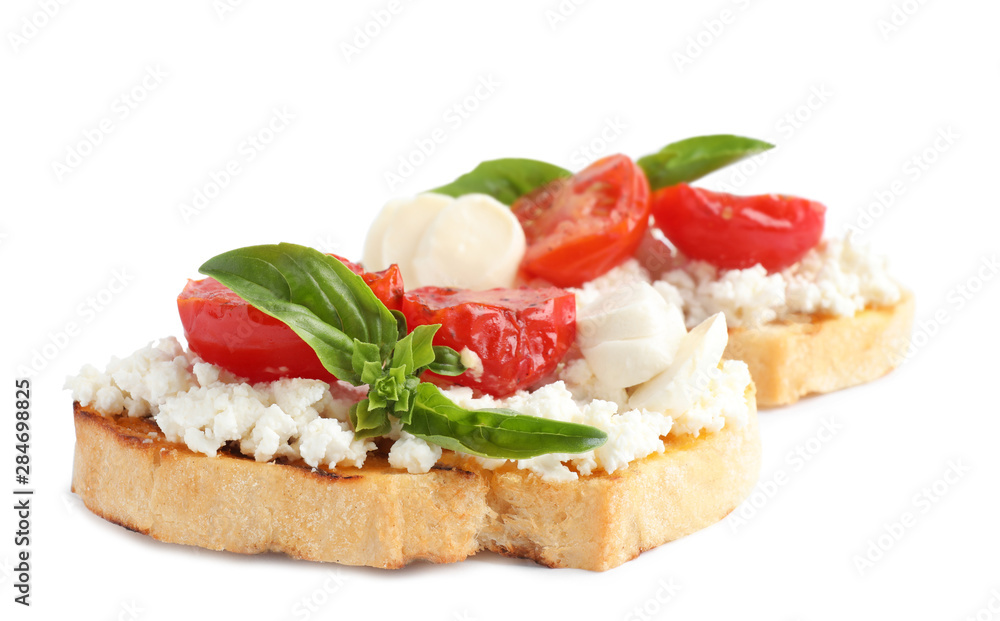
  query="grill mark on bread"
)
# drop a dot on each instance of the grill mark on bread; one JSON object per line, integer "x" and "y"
{"x": 456, "y": 470}
{"x": 331, "y": 475}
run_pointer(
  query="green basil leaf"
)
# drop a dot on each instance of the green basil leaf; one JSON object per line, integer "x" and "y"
{"x": 400, "y": 323}
{"x": 376, "y": 401}
{"x": 368, "y": 421}
{"x": 354, "y": 334}
{"x": 505, "y": 179}
{"x": 693, "y": 158}
{"x": 316, "y": 295}
{"x": 401, "y": 408}
{"x": 447, "y": 361}
{"x": 366, "y": 361}
{"x": 492, "y": 433}
{"x": 414, "y": 350}
{"x": 389, "y": 389}
{"x": 404, "y": 407}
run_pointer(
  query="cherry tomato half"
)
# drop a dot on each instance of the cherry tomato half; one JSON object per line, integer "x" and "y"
{"x": 581, "y": 227}
{"x": 387, "y": 285}
{"x": 736, "y": 232}
{"x": 223, "y": 329}
{"x": 519, "y": 334}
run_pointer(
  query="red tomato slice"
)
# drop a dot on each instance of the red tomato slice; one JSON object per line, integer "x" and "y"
{"x": 224, "y": 330}
{"x": 581, "y": 227}
{"x": 736, "y": 232}
{"x": 387, "y": 285}
{"x": 519, "y": 334}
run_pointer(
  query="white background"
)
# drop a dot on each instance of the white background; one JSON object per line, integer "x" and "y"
{"x": 868, "y": 101}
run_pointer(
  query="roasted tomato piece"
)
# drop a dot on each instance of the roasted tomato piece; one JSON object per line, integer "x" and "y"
{"x": 736, "y": 232}
{"x": 520, "y": 335}
{"x": 581, "y": 227}
{"x": 223, "y": 329}
{"x": 387, "y": 284}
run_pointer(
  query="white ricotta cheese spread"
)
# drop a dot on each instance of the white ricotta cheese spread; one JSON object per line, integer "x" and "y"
{"x": 841, "y": 277}
{"x": 632, "y": 434}
{"x": 205, "y": 407}
{"x": 838, "y": 277}
{"x": 627, "y": 273}
{"x": 413, "y": 454}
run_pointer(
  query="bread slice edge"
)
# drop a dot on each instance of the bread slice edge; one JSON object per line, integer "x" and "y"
{"x": 791, "y": 360}
{"x": 127, "y": 473}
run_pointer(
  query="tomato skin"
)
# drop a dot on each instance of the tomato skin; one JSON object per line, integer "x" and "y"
{"x": 387, "y": 284}
{"x": 736, "y": 232}
{"x": 519, "y": 334}
{"x": 579, "y": 228}
{"x": 223, "y": 329}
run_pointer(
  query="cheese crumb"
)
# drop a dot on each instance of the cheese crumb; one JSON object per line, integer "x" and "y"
{"x": 413, "y": 454}
{"x": 630, "y": 271}
{"x": 472, "y": 362}
{"x": 837, "y": 277}
{"x": 206, "y": 407}
{"x": 632, "y": 434}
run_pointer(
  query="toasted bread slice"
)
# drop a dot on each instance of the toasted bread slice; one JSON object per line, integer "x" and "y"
{"x": 127, "y": 473}
{"x": 817, "y": 354}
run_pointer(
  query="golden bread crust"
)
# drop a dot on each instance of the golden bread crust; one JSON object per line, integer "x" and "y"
{"x": 126, "y": 472}
{"x": 792, "y": 359}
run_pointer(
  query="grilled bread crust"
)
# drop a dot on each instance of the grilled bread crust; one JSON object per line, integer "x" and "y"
{"x": 813, "y": 354}
{"x": 126, "y": 472}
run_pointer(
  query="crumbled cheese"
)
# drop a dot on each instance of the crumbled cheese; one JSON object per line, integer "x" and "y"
{"x": 628, "y": 272}
{"x": 413, "y": 454}
{"x": 748, "y": 297}
{"x": 723, "y": 403}
{"x": 838, "y": 277}
{"x": 670, "y": 293}
{"x": 328, "y": 441}
{"x": 472, "y": 362}
{"x": 138, "y": 383}
{"x": 205, "y": 407}
{"x": 632, "y": 434}
{"x": 290, "y": 418}
{"x": 580, "y": 380}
